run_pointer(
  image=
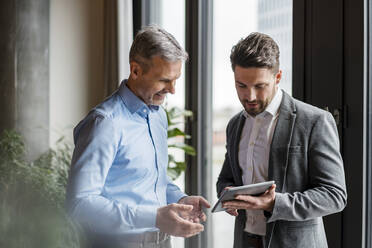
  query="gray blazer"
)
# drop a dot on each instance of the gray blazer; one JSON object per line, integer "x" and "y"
{"x": 307, "y": 167}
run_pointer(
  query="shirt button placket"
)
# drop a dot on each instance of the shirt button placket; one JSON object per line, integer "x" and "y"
{"x": 156, "y": 154}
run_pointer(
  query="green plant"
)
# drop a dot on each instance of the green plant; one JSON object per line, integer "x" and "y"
{"x": 174, "y": 117}
{"x": 32, "y": 196}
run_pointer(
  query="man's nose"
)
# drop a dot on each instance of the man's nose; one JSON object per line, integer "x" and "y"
{"x": 172, "y": 87}
{"x": 251, "y": 95}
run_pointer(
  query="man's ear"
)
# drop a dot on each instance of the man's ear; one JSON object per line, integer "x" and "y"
{"x": 135, "y": 70}
{"x": 278, "y": 77}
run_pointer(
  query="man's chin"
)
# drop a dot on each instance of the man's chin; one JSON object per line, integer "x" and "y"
{"x": 157, "y": 102}
{"x": 253, "y": 112}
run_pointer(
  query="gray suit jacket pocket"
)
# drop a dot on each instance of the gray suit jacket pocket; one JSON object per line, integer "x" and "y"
{"x": 296, "y": 149}
{"x": 291, "y": 150}
{"x": 304, "y": 234}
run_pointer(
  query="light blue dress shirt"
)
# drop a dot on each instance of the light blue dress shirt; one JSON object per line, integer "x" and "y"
{"x": 118, "y": 176}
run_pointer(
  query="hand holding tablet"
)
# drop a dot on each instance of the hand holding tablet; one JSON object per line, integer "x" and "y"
{"x": 251, "y": 189}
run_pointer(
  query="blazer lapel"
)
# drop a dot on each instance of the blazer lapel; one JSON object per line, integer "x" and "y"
{"x": 280, "y": 144}
{"x": 237, "y": 171}
{"x": 279, "y": 149}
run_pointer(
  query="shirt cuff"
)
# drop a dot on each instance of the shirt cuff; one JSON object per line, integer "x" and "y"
{"x": 175, "y": 197}
{"x": 146, "y": 216}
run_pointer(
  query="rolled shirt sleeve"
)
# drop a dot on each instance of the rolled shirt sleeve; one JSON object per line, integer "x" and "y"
{"x": 174, "y": 194}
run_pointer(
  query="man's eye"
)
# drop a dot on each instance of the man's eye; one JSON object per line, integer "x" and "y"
{"x": 259, "y": 86}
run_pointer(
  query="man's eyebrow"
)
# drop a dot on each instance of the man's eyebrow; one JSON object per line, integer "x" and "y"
{"x": 166, "y": 80}
{"x": 169, "y": 80}
{"x": 236, "y": 81}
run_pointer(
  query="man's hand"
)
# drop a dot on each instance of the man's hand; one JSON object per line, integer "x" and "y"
{"x": 169, "y": 220}
{"x": 262, "y": 202}
{"x": 230, "y": 211}
{"x": 197, "y": 215}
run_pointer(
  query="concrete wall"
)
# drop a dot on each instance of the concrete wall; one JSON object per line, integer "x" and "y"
{"x": 76, "y": 63}
{"x": 24, "y": 72}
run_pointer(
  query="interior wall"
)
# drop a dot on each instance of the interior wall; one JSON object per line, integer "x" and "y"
{"x": 76, "y": 63}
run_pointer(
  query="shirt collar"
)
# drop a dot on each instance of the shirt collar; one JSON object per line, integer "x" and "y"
{"x": 133, "y": 102}
{"x": 273, "y": 107}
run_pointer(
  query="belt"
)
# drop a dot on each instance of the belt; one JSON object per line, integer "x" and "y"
{"x": 147, "y": 237}
{"x": 251, "y": 235}
{"x": 129, "y": 240}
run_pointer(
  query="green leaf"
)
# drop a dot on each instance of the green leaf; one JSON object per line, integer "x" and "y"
{"x": 187, "y": 113}
{"x": 175, "y": 168}
{"x": 171, "y": 159}
{"x": 175, "y": 113}
{"x": 168, "y": 117}
{"x": 181, "y": 166}
{"x": 173, "y": 173}
{"x": 175, "y": 132}
{"x": 186, "y": 148}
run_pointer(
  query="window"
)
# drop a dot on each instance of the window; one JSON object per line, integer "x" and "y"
{"x": 170, "y": 15}
{"x": 232, "y": 22}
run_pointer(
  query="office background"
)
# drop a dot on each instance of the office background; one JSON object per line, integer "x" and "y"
{"x": 61, "y": 58}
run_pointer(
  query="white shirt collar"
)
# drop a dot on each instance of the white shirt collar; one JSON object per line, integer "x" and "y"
{"x": 274, "y": 105}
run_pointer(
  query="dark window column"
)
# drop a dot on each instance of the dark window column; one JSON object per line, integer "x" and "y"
{"x": 24, "y": 71}
{"x": 329, "y": 71}
{"x": 145, "y": 12}
{"x": 368, "y": 119}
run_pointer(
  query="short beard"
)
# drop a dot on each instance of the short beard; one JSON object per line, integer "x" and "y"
{"x": 261, "y": 107}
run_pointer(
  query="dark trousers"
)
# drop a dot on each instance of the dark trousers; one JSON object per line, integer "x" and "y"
{"x": 252, "y": 240}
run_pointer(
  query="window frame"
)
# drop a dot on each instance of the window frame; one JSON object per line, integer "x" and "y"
{"x": 198, "y": 99}
{"x": 368, "y": 118}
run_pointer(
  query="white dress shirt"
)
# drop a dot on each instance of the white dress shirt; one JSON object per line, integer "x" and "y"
{"x": 254, "y": 153}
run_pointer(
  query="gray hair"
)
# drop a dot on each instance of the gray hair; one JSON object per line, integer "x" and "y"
{"x": 153, "y": 41}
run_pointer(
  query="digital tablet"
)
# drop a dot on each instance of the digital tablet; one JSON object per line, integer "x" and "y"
{"x": 251, "y": 189}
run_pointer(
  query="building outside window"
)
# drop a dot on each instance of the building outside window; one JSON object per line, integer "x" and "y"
{"x": 170, "y": 15}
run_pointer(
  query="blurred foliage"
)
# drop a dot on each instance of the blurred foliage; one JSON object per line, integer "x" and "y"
{"x": 175, "y": 117}
{"x": 32, "y": 196}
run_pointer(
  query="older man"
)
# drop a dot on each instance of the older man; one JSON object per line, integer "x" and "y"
{"x": 118, "y": 187}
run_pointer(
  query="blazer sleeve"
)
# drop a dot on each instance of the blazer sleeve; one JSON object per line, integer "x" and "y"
{"x": 326, "y": 193}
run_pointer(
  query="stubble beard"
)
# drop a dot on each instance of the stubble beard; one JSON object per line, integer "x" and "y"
{"x": 253, "y": 112}
{"x": 262, "y": 105}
